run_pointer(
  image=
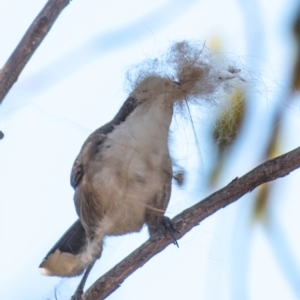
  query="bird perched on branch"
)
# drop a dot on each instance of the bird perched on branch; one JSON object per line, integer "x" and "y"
{"x": 123, "y": 172}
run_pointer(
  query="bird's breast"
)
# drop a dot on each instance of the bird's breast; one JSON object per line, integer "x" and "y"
{"x": 129, "y": 171}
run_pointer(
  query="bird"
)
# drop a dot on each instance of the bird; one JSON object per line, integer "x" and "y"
{"x": 122, "y": 176}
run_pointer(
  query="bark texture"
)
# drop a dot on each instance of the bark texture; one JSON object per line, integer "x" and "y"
{"x": 31, "y": 40}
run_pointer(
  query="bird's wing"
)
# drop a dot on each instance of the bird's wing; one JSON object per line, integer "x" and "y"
{"x": 93, "y": 142}
{"x": 76, "y": 173}
{"x": 87, "y": 152}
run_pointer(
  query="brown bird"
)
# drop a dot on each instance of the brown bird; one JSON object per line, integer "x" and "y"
{"x": 122, "y": 175}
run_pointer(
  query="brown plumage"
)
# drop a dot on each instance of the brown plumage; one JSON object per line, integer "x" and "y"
{"x": 122, "y": 175}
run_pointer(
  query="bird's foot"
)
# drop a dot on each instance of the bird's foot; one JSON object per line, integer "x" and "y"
{"x": 166, "y": 225}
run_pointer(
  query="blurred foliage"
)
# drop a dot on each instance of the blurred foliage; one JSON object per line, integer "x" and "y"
{"x": 225, "y": 133}
{"x": 261, "y": 203}
{"x": 228, "y": 123}
{"x": 262, "y": 200}
{"x": 296, "y": 31}
{"x": 226, "y": 129}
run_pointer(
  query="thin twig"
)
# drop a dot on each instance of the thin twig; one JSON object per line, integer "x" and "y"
{"x": 186, "y": 220}
{"x": 33, "y": 37}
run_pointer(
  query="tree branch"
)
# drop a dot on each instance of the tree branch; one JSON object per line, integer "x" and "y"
{"x": 33, "y": 37}
{"x": 186, "y": 220}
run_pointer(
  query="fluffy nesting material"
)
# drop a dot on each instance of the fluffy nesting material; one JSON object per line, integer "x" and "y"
{"x": 186, "y": 73}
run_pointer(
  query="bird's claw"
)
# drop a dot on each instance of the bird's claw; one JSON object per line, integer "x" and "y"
{"x": 167, "y": 227}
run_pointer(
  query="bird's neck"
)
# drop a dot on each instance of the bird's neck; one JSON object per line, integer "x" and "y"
{"x": 151, "y": 118}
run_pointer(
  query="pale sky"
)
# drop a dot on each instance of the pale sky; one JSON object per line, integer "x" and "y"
{"x": 76, "y": 81}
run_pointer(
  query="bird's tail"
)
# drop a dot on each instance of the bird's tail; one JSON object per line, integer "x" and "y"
{"x": 69, "y": 256}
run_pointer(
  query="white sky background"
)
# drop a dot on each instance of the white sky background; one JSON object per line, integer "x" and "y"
{"x": 75, "y": 82}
